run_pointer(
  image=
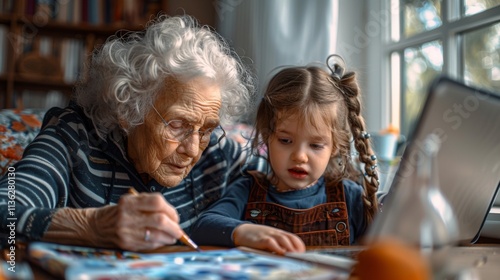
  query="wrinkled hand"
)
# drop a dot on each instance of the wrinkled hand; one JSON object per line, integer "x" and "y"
{"x": 146, "y": 221}
{"x": 267, "y": 238}
{"x": 124, "y": 225}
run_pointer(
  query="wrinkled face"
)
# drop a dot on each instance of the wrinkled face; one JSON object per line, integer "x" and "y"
{"x": 298, "y": 153}
{"x": 197, "y": 103}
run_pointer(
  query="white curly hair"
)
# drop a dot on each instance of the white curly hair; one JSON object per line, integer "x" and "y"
{"x": 128, "y": 72}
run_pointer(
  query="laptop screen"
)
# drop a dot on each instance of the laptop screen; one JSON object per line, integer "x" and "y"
{"x": 467, "y": 121}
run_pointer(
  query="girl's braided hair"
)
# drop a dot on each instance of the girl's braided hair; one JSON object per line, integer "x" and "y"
{"x": 347, "y": 85}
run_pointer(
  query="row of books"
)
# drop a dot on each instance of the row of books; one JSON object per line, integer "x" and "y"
{"x": 69, "y": 52}
{"x": 42, "y": 99}
{"x": 94, "y": 12}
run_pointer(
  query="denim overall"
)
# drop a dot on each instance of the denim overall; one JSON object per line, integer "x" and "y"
{"x": 322, "y": 225}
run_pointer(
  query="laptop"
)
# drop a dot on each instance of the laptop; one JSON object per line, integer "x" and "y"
{"x": 467, "y": 120}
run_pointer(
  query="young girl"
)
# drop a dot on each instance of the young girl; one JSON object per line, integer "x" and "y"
{"x": 315, "y": 194}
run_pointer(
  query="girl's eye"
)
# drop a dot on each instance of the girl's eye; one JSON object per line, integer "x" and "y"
{"x": 317, "y": 146}
{"x": 284, "y": 140}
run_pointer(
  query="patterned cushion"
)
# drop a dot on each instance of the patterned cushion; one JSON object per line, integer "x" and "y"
{"x": 17, "y": 129}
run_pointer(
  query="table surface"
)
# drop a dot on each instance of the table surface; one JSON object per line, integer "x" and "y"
{"x": 481, "y": 260}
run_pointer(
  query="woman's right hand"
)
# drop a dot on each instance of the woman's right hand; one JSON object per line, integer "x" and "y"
{"x": 267, "y": 238}
{"x": 145, "y": 221}
{"x": 138, "y": 222}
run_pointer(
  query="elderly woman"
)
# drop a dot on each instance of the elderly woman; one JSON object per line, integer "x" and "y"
{"x": 148, "y": 117}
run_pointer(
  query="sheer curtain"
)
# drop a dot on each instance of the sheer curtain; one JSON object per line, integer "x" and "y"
{"x": 273, "y": 33}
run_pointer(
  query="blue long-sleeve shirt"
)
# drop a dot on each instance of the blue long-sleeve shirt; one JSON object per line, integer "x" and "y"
{"x": 216, "y": 225}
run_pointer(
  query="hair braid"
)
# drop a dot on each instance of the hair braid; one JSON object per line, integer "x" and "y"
{"x": 350, "y": 89}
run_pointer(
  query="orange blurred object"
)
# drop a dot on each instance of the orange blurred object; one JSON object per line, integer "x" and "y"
{"x": 391, "y": 129}
{"x": 390, "y": 259}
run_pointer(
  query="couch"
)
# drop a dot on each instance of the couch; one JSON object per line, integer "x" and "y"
{"x": 17, "y": 129}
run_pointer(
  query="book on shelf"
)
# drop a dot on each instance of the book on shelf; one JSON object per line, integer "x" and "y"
{"x": 72, "y": 57}
{"x": 6, "y": 6}
{"x": 3, "y": 49}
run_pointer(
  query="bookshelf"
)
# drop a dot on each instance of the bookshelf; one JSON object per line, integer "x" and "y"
{"x": 44, "y": 44}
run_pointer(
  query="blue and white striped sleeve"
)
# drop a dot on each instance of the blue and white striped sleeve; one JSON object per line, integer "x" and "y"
{"x": 37, "y": 184}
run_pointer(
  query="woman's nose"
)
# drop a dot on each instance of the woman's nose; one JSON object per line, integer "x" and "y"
{"x": 191, "y": 145}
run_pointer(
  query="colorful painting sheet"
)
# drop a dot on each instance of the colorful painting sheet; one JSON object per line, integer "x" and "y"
{"x": 73, "y": 262}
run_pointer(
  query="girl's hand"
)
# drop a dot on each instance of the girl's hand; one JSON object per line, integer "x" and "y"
{"x": 267, "y": 238}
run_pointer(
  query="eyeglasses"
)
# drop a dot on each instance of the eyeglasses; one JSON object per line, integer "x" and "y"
{"x": 178, "y": 131}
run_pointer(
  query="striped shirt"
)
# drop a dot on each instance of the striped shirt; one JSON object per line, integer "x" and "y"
{"x": 68, "y": 165}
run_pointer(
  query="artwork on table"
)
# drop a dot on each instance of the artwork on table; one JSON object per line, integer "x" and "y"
{"x": 72, "y": 262}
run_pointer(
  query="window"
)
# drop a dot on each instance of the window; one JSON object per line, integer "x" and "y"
{"x": 426, "y": 38}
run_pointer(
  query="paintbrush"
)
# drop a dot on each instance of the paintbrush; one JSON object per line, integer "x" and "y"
{"x": 184, "y": 238}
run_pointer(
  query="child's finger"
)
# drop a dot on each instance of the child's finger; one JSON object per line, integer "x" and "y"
{"x": 274, "y": 246}
{"x": 298, "y": 244}
{"x": 293, "y": 243}
{"x": 287, "y": 242}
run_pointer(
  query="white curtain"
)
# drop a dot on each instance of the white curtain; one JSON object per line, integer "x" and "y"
{"x": 273, "y": 33}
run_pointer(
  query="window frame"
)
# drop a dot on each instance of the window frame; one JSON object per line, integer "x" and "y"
{"x": 454, "y": 24}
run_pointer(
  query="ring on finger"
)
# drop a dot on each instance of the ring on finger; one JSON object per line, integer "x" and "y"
{"x": 147, "y": 235}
